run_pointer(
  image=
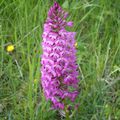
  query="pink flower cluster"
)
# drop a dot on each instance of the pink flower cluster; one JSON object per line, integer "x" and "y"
{"x": 59, "y": 69}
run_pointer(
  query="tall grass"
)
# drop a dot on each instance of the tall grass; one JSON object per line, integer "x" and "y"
{"x": 97, "y": 23}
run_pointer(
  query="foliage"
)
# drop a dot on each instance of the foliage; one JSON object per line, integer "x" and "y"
{"x": 97, "y": 23}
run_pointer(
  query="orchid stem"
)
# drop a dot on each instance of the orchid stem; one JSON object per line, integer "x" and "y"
{"x": 67, "y": 113}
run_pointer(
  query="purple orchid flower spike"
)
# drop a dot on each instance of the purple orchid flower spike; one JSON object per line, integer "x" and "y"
{"x": 59, "y": 69}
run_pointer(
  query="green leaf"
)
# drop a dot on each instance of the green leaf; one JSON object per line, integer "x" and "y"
{"x": 65, "y": 4}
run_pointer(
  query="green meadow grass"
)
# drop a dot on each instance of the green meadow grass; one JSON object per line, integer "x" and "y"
{"x": 97, "y": 23}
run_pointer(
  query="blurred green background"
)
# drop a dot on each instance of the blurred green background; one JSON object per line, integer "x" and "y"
{"x": 97, "y": 23}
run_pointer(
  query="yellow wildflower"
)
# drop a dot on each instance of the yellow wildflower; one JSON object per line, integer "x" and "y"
{"x": 10, "y": 48}
{"x": 76, "y": 44}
